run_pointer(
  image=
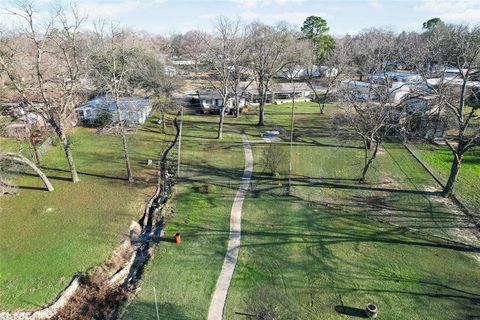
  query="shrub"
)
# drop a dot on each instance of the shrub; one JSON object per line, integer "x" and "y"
{"x": 273, "y": 156}
{"x": 104, "y": 119}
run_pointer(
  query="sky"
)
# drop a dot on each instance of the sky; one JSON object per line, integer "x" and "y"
{"x": 344, "y": 17}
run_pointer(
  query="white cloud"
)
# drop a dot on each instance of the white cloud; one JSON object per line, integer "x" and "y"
{"x": 252, "y": 4}
{"x": 451, "y": 10}
{"x": 295, "y": 17}
{"x": 113, "y": 9}
{"x": 283, "y": 2}
{"x": 208, "y": 16}
{"x": 376, "y": 4}
{"x": 94, "y": 9}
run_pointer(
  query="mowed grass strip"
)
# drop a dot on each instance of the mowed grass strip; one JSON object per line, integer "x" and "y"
{"x": 185, "y": 275}
{"x": 440, "y": 159}
{"x": 45, "y": 238}
{"x": 336, "y": 245}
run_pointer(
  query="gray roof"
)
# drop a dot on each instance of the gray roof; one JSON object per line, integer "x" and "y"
{"x": 210, "y": 94}
{"x": 107, "y": 102}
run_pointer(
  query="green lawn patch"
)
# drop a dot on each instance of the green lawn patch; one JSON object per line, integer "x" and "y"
{"x": 46, "y": 237}
{"x": 185, "y": 275}
{"x": 440, "y": 159}
{"x": 336, "y": 245}
{"x": 322, "y": 253}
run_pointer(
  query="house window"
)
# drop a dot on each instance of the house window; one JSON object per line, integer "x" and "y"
{"x": 88, "y": 113}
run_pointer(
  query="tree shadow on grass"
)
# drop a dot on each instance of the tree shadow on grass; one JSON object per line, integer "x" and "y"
{"x": 82, "y": 173}
{"x": 28, "y": 174}
{"x": 303, "y": 142}
{"x": 236, "y": 173}
{"x": 31, "y": 188}
{"x": 351, "y": 311}
{"x": 318, "y": 183}
{"x": 147, "y": 310}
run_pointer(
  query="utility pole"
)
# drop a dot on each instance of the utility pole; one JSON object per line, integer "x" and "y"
{"x": 156, "y": 303}
{"x": 292, "y": 121}
{"x": 180, "y": 143}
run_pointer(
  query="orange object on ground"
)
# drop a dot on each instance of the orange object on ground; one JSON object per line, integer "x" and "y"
{"x": 178, "y": 239}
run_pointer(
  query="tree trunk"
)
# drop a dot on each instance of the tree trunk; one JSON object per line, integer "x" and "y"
{"x": 35, "y": 152}
{"x": 457, "y": 163}
{"x": 368, "y": 161}
{"x": 237, "y": 107}
{"x": 261, "y": 113}
{"x": 368, "y": 144}
{"x": 68, "y": 153}
{"x": 164, "y": 126}
{"x": 124, "y": 142}
{"x": 21, "y": 159}
{"x": 317, "y": 100}
{"x": 325, "y": 96}
{"x": 220, "y": 123}
{"x": 29, "y": 139}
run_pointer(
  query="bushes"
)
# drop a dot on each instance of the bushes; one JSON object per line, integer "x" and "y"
{"x": 273, "y": 156}
{"x": 103, "y": 120}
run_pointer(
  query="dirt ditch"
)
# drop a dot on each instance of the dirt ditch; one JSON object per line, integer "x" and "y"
{"x": 102, "y": 293}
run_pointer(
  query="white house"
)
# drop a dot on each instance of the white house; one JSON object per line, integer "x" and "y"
{"x": 396, "y": 76}
{"x": 170, "y": 71}
{"x": 372, "y": 90}
{"x": 134, "y": 110}
{"x": 282, "y": 92}
{"x": 302, "y": 73}
{"x": 183, "y": 62}
{"x": 359, "y": 89}
{"x": 211, "y": 101}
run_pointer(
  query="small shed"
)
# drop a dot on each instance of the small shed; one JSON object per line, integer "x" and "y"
{"x": 24, "y": 123}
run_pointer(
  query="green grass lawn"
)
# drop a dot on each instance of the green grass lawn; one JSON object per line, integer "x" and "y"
{"x": 322, "y": 253}
{"x": 185, "y": 275}
{"x": 440, "y": 159}
{"x": 337, "y": 245}
{"x": 45, "y": 238}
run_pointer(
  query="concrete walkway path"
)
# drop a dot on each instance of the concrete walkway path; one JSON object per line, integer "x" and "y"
{"x": 219, "y": 298}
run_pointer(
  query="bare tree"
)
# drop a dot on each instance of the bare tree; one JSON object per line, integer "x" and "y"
{"x": 190, "y": 45}
{"x": 370, "y": 121}
{"x": 112, "y": 63}
{"x": 368, "y": 109}
{"x": 223, "y": 48}
{"x": 455, "y": 47}
{"x": 43, "y": 65}
{"x": 336, "y": 65}
{"x": 239, "y": 71}
{"x": 273, "y": 157}
{"x": 267, "y": 57}
{"x": 150, "y": 76}
{"x": 19, "y": 158}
